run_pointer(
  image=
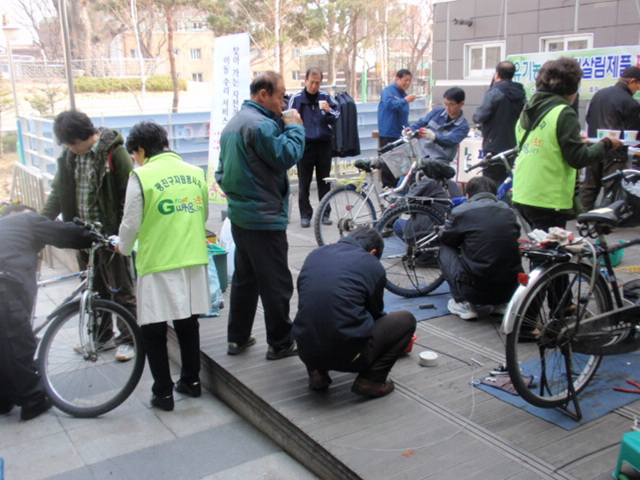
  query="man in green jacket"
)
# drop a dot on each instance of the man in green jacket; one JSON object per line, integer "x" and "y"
{"x": 91, "y": 183}
{"x": 255, "y": 154}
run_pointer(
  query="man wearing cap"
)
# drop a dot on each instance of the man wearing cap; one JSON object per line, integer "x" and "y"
{"x": 611, "y": 108}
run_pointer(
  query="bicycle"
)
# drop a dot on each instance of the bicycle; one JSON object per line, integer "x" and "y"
{"x": 76, "y": 355}
{"x": 411, "y": 252}
{"x": 354, "y": 202}
{"x": 568, "y": 312}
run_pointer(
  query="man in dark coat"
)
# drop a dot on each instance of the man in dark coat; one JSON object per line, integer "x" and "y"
{"x": 23, "y": 233}
{"x": 479, "y": 254}
{"x": 341, "y": 324}
{"x": 498, "y": 115}
{"x": 611, "y": 108}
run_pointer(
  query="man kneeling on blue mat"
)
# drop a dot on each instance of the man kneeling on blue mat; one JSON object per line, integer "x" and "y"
{"x": 479, "y": 254}
{"x": 341, "y": 324}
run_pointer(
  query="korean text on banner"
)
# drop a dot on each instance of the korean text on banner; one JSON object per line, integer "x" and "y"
{"x": 231, "y": 79}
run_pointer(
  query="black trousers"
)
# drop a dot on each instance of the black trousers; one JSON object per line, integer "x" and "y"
{"x": 388, "y": 178}
{"x": 261, "y": 271}
{"x": 389, "y": 339}
{"x": 20, "y": 382}
{"x": 154, "y": 337}
{"x": 317, "y": 155}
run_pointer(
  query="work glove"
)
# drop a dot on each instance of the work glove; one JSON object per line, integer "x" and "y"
{"x": 427, "y": 134}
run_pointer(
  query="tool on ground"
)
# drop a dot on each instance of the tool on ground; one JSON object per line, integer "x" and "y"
{"x": 629, "y": 390}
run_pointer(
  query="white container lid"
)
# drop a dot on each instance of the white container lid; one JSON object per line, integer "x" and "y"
{"x": 428, "y": 358}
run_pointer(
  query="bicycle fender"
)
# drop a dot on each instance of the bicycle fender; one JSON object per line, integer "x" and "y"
{"x": 64, "y": 308}
{"x": 509, "y": 319}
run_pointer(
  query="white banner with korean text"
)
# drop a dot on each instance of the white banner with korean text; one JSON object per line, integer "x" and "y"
{"x": 601, "y": 66}
{"x": 231, "y": 80}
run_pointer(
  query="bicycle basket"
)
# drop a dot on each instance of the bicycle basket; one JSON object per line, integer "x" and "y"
{"x": 399, "y": 159}
{"x": 630, "y": 217}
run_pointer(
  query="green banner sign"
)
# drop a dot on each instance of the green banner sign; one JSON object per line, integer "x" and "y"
{"x": 601, "y": 66}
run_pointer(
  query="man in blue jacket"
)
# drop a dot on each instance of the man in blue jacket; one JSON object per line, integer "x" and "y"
{"x": 498, "y": 114}
{"x": 341, "y": 324}
{"x": 442, "y": 129}
{"x": 319, "y": 113}
{"x": 393, "y": 115}
{"x": 255, "y": 154}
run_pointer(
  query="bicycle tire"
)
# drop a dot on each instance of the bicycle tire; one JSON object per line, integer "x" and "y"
{"x": 543, "y": 354}
{"x": 411, "y": 271}
{"x": 85, "y": 382}
{"x": 347, "y": 208}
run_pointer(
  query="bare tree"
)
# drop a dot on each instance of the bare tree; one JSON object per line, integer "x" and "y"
{"x": 40, "y": 18}
{"x": 6, "y": 103}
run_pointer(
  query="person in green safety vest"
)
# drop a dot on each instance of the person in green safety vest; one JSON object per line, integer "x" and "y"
{"x": 166, "y": 209}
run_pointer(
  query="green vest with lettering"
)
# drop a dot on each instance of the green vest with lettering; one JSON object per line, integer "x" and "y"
{"x": 172, "y": 234}
{"x": 542, "y": 178}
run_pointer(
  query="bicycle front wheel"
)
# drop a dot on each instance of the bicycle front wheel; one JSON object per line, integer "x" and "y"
{"x": 547, "y": 322}
{"x": 411, "y": 248}
{"x": 341, "y": 211}
{"x": 77, "y": 362}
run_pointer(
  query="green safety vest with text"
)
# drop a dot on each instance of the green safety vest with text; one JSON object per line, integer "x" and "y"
{"x": 172, "y": 234}
{"x": 542, "y": 178}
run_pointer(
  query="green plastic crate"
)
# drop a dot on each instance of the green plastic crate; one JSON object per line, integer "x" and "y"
{"x": 220, "y": 260}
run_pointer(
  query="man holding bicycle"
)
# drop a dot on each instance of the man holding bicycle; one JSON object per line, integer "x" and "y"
{"x": 23, "y": 233}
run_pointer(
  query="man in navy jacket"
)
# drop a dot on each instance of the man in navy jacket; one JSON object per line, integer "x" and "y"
{"x": 341, "y": 324}
{"x": 319, "y": 113}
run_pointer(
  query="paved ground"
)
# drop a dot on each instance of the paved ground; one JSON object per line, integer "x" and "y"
{"x": 201, "y": 439}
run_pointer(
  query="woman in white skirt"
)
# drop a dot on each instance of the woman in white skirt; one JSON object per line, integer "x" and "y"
{"x": 166, "y": 210}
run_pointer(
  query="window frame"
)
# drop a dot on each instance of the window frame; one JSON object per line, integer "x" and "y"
{"x": 195, "y": 54}
{"x": 544, "y": 41}
{"x": 488, "y": 70}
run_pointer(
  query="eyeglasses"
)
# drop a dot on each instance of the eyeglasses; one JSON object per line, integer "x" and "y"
{"x": 450, "y": 104}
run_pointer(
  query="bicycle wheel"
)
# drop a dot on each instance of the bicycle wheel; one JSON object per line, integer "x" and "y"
{"x": 83, "y": 378}
{"x": 346, "y": 209}
{"x": 545, "y": 319}
{"x": 411, "y": 247}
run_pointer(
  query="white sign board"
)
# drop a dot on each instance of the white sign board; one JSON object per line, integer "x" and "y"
{"x": 231, "y": 80}
{"x": 469, "y": 153}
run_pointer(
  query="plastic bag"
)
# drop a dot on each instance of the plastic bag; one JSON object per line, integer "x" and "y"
{"x": 226, "y": 242}
{"x": 214, "y": 290}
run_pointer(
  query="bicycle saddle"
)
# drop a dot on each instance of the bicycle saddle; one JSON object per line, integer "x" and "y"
{"x": 609, "y": 216}
{"x": 437, "y": 170}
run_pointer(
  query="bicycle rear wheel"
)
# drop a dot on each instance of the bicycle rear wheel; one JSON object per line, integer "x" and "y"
{"x": 82, "y": 377}
{"x": 545, "y": 327}
{"x": 411, "y": 248}
{"x": 341, "y": 211}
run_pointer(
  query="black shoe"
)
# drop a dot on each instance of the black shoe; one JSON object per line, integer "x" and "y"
{"x": 236, "y": 348}
{"x": 28, "y": 412}
{"x": 192, "y": 389}
{"x": 163, "y": 403}
{"x": 305, "y": 222}
{"x": 290, "y": 351}
{"x": 319, "y": 381}
{"x": 326, "y": 220}
{"x": 6, "y": 405}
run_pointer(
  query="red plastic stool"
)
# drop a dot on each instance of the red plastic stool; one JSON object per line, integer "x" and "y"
{"x": 629, "y": 452}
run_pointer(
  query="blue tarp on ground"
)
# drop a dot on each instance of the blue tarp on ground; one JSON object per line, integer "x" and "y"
{"x": 438, "y": 299}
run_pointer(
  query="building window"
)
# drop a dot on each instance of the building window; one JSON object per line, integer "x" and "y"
{"x": 196, "y": 77}
{"x": 196, "y": 54}
{"x": 176, "y": 52}
{"x": 295, "y": 75}
{"x": 561, "y": 43}
{"x": 133, "y": 53}
{"x": 480, "y": 59}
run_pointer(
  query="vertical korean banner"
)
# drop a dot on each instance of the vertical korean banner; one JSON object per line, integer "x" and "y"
{"x": 231, "y": 79}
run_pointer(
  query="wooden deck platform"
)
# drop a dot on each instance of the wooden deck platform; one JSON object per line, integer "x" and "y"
{"x": 435, "y": 425}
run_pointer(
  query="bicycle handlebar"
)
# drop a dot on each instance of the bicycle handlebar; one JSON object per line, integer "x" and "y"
{"x": 405, "y": 138}
{"x": 97, "y": 235}
{"x": 627, "y": 173}
{"x": 501, "y": 158}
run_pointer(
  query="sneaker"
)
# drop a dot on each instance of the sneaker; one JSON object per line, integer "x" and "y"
{"x": 319, "y": 381}
{"x": 125, "y": 352}
{"x": 193, "y": 389}
{"x": 290, "y": 351}
{"x": 106, "y": 346}
{"x": 305, "y": 222}
{"x": 463, "y": 309}
{"x": 371, "y": 389}
{"x": 236, "y": 349}
{"x": 499, "y": 309}
{"x": 163, "y": 403}
{"x": 326, "y": 220}
{"x": 29, "y": 412}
